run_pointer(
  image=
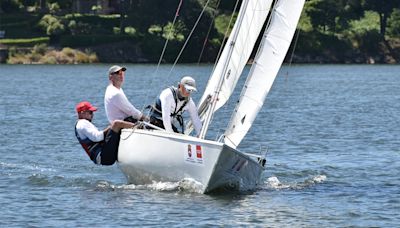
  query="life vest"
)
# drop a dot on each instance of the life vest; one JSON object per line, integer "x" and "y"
{"x": 156, "y": 109}
{"x": 92, "y": 149}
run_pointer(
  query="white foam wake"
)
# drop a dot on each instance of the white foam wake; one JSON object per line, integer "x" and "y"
{"x": 275, "y": 183}
{"x": 185, "y": 185}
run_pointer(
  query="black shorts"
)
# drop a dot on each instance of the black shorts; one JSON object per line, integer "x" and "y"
{"x": 130, "y": 119}
{"x": 109, "y": 152}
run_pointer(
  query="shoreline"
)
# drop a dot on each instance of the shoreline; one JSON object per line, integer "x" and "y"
{"x": 118, "y": 53}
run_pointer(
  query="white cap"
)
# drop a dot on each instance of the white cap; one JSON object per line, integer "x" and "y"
{"x": 189, "y": 83}
{"x": 115, "y": 68}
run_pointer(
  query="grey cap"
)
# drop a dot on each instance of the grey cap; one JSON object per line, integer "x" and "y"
{"x": 189, "y": 83}
{"x": 116, "y": 68}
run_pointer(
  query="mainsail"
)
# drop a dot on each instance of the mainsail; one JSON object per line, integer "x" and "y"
{"x": 147, "y": 155}
{"x": 236, "y": 53}
{"x": 275, "y": 44}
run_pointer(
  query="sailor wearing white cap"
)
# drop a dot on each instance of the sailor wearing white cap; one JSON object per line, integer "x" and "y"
{"x": 170, "y": 105}
{"x": 116, "y": 103}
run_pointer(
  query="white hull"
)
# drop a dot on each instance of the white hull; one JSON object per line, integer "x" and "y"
{"x": 145, "y": 156}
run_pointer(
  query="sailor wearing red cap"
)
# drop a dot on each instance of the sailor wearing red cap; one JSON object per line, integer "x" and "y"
{"x": 100, "y": 146}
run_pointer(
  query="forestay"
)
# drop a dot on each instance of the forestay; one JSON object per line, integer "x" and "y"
{"x": 231, "y": 63}
{"x": 275, "y": 44}
{"x": 146, "y": 155}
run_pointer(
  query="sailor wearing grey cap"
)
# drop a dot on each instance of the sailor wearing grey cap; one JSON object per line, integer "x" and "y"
{"x": 170, "y": 105}
{"x": 116, "y": 103}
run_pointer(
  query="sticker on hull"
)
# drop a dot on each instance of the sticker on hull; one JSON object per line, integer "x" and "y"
{"x": 194, "y": 155}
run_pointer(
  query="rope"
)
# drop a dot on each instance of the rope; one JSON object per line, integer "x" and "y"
{"x": 218, "y": 56}
{"x": 205, "y": 42}
{"x": 258, "y": 52}
{"x": 169, "y": 35}
{"x": 188, "y": 38}
{"x": 162, "y": 53}
{"x": 241, "y": 58}
{"x": 208, "y": 33}
{"x": 225, "y": 35}
{"x": 141, "y": 124}
{"x": 133, "y": 130}
{"x": 291, "y": 56}
{"x": 225, "y": 107}
{"x": 294, "y": 48}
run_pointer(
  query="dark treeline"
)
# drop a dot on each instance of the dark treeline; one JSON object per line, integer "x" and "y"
{"x": 330, "y": 31}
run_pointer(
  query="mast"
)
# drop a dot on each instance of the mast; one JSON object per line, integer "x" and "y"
{"x": 232, "y": 62}
{"x": 209, "y": 114}
{"x": 275, "y": 44}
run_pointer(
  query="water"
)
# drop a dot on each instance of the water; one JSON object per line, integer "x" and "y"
{"x": 331, "y": 131}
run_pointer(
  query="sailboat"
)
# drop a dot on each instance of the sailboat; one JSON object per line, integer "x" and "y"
{"x": 147, "y": 156}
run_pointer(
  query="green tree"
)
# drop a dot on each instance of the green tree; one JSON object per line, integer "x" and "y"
{"x": 384, "y": 8}
{"x": 51, "y": 24}
{"x": 394, "y": 24}
{"x": 174, "y": 32}
{"x": 332, "y": 15}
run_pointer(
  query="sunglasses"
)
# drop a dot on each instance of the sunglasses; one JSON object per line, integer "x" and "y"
{"x": 117, "y": 72}
{"x": 188, "y": 90}
{"x": 90, "y": 112}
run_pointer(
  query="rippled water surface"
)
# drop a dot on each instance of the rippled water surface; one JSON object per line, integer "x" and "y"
{"x": 331, "y": 132}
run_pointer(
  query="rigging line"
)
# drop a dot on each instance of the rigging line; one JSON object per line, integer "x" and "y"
{"x": 208, "y": 33}
{"x": 163, "y": 52}
{"x": 241, "y": 56}
{"x": 294, "y": 48}
{"x": 291, "y": 56}
{"x": 187, "y": 40}
{"x": 169, "y": 35}
{"x": 210, "y": 113}
{"x": 258, "y": 53}
{"x": 225, "y": 35}
{"x": 218, "y": 56}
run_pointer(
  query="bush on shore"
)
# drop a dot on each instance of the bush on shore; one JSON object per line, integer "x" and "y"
{"x": 40, "y": 54}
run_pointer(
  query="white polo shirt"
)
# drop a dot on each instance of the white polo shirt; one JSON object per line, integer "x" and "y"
{"x": 117, "y": 105}
{"x": 86, "y": 129}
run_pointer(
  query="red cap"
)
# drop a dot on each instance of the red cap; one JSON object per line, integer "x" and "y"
{"x": 85, "y": 106}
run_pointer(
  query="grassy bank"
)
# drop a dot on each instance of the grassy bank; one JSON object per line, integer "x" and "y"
{"x": 41, "y": 54}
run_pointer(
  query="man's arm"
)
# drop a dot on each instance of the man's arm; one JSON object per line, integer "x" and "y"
{"x": 166, "y": 98}
{"x": 194, "y": 116}
{"x": 90, "y": 131}
{"x": 123, "y": 103}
